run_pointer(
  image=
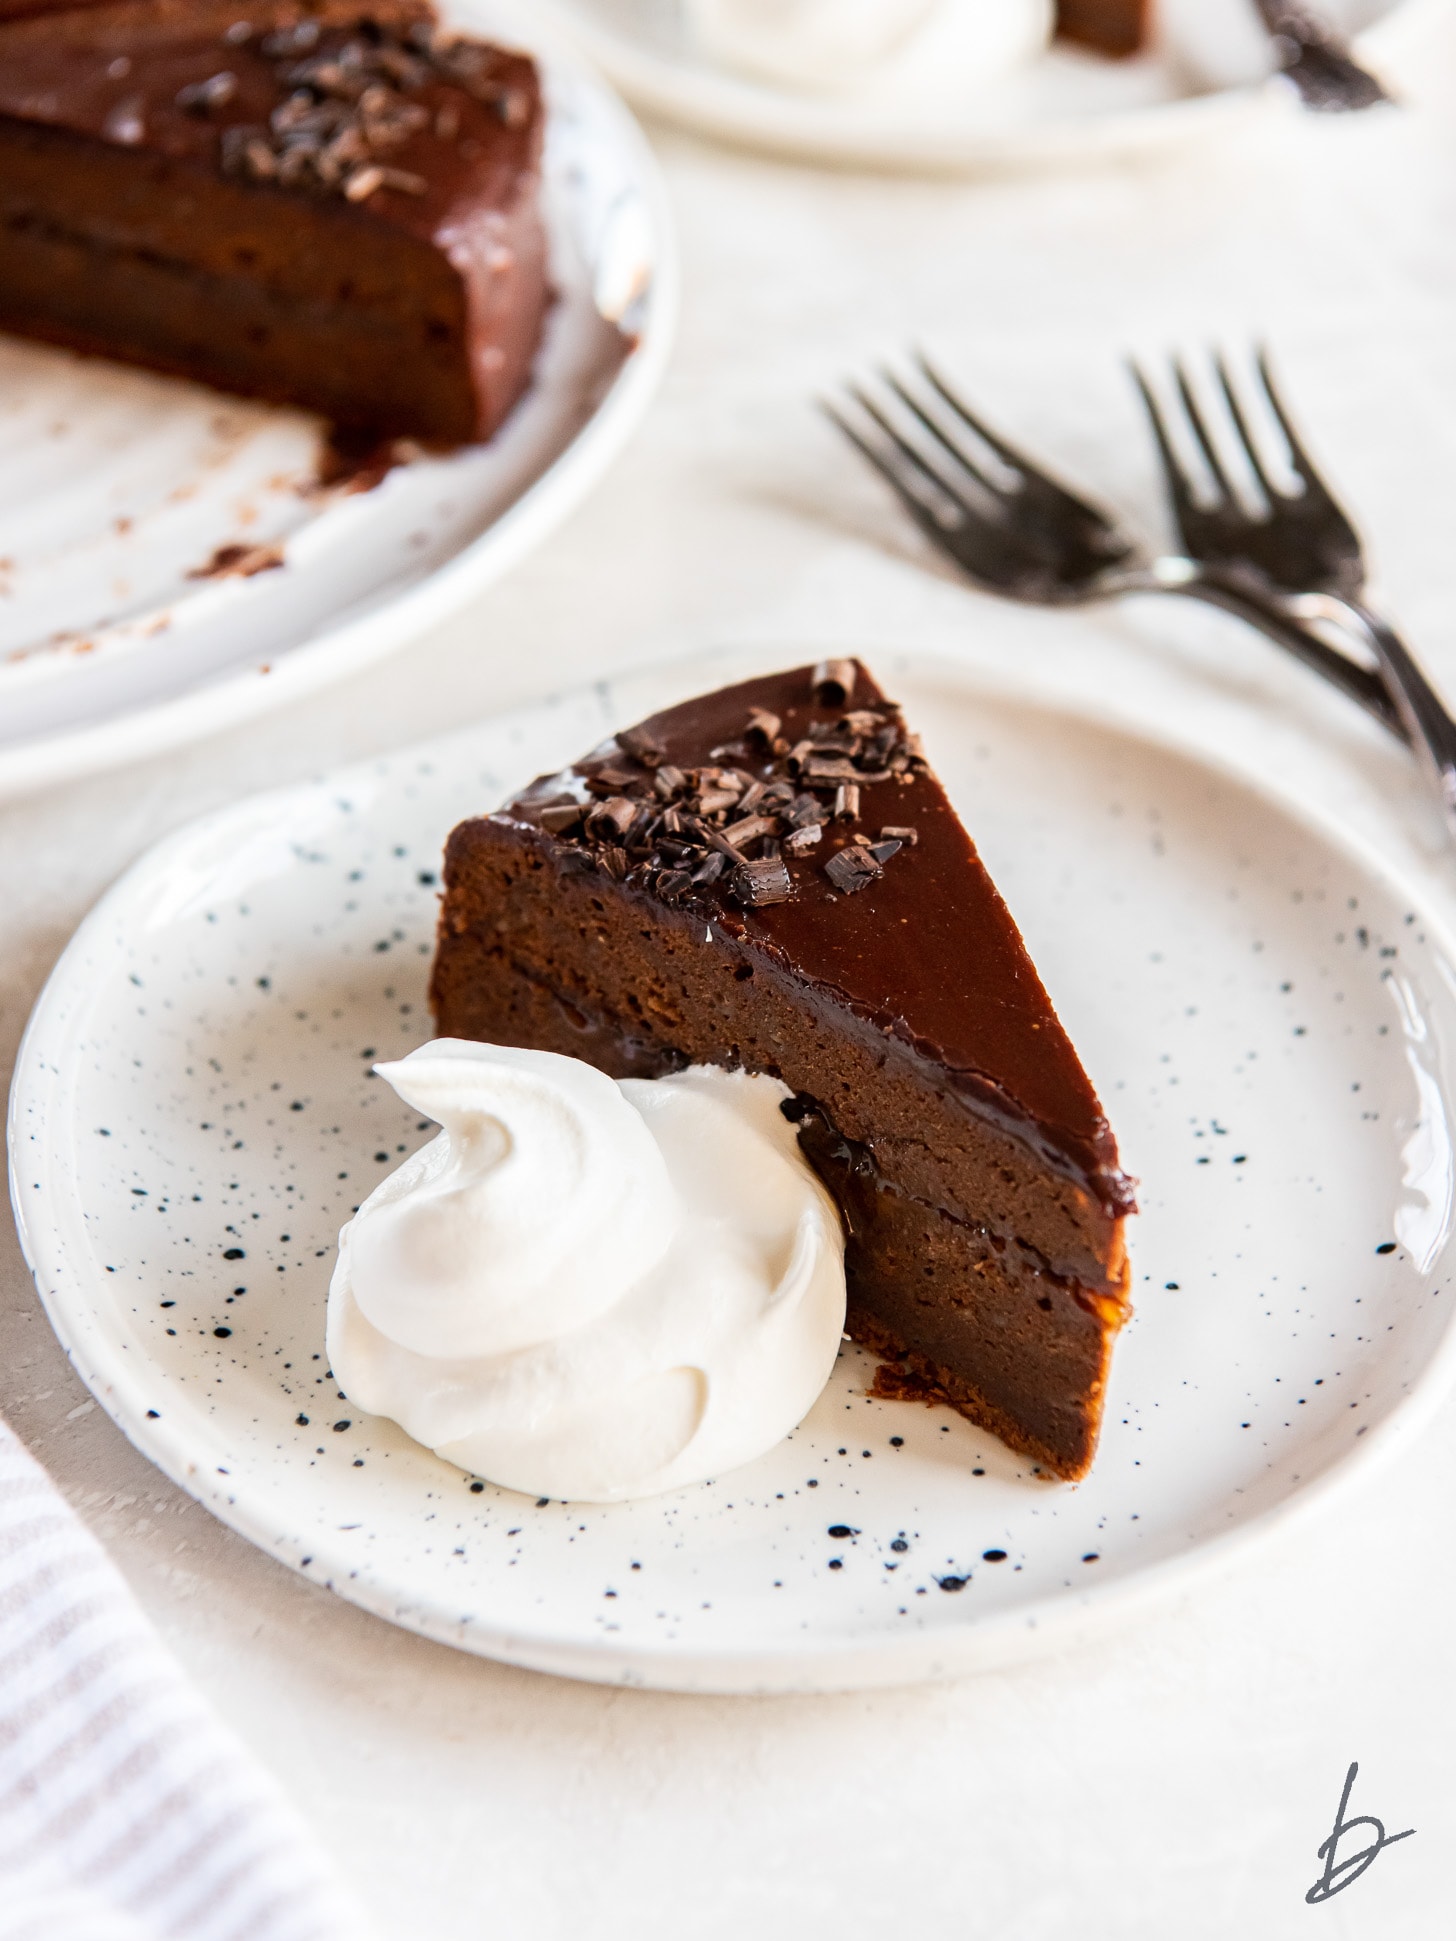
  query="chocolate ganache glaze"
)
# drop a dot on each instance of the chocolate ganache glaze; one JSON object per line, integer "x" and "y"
{"x": 927, "y": 950}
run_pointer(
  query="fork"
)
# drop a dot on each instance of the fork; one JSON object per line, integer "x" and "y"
{"x": 1014, "y": 529}
{"x": 1315, "y": 58}
{"x": 1299, "y": 544}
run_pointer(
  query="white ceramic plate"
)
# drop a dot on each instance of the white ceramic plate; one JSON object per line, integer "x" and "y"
{"x": 116, "y": 487}
{"x": 1211, "y": 67}
{"x": 1270, "y": 1023}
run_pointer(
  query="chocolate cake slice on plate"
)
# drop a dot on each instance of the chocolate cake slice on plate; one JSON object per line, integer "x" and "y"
{"x": 315, "y": 202}
{"x": 771, "y": 877}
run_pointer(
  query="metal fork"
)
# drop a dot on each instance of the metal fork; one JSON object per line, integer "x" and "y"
{"x": 1014, "y": 529}
{"x": 1316, "y": 59}
{"x": 1300, "y": 544}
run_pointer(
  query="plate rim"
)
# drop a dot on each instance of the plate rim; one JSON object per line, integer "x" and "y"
{"x": 744, "y": 114}
{"x": 1055, "y": 1621}
{"x": 397, "y": 620}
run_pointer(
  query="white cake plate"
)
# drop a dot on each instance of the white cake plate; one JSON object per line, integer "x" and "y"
{"x": 1269, "y": 1018}
{"x": 118, "y": 488}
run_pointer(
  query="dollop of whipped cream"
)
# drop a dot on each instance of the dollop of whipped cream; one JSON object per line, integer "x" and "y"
{"x": 842, "y": 44}
{"x": 589, "y": 1289}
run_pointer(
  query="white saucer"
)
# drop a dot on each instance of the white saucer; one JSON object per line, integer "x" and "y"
{"x": 117, "y": 488}
{"x": 1067, "y": 107}
{"x": 1270, "y": 1022}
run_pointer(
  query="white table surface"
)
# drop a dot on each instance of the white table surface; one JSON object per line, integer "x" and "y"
{"x": 1178, "y": 1780}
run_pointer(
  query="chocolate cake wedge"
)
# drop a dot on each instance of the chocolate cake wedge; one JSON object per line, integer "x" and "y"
{"x": 315, "y": 202}
{"x": 771, "y": 877}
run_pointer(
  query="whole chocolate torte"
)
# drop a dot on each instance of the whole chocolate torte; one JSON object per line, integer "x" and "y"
{"x": 771, "y": 877}
{"x": 317, "y": 202}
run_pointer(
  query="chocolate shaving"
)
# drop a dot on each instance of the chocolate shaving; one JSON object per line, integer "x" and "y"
{"x": 829, "y": 768}
{"x": 846, "y": 802}
{"x": 201, "y": 97}
{"x": 363, "y": 182}
{"x": 403, "y": 180}
{"x": 612, "y": 780}
{"x": 763, "y": 727}
{"x": 801, "y": 841}
{"x": 833, "y": 682}
{"x": 616, "y": 813}
{"x": 714, "y": 839}
{"x": 740, "y": 834}
{"x": 560, "y": 817}
{"x": 850, "y": 869}
{"x": 907, "y": 834}
{"x": 762, "y": 882}
{"x": 642, "y": 745}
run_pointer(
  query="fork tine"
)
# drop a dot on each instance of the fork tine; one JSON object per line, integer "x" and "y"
{"x": 916, "y": 460}
{"x": 939, "y": 434}
{"x": 1179, "y": 488}
{"x": 1241, "y": 425}
{"x": 1200, "y": 429}
{"x": 1299, "y": 457}
{"x": 892, "y": 474}
{"x": 1009, "y": 454}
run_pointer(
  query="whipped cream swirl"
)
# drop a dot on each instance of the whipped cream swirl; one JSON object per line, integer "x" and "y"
{"x": 586, "y": 1289}
{"x": 830, "y": 45}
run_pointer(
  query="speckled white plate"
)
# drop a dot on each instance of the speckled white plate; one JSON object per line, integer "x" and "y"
{"x": 1270, "y": 1023}
{"x": 1211, "y": 66}
{"x": 118, "y": 489}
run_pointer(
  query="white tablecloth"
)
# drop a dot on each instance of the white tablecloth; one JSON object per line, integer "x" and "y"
{"x": 126, "y": 1813}
{"x": 1177, "y": 1781}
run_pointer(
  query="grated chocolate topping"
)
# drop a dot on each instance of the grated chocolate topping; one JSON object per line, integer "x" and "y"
{"x": 762, "y": 822}
{"x": 350, "y": 101}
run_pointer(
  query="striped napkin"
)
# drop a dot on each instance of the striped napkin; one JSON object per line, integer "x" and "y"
{"x": 127, "y": 1812}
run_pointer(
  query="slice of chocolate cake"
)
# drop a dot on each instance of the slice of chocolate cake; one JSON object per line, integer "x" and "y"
{"x": 771, "y": 877}
{"x": 1111, "y": 26}
{"x": 316, "y": 202}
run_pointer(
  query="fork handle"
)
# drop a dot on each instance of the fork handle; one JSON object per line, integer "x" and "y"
{"x": 1360, "y": 684}
{"x": 1427, "y": 720}
{"x": 1264, "y": 609}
